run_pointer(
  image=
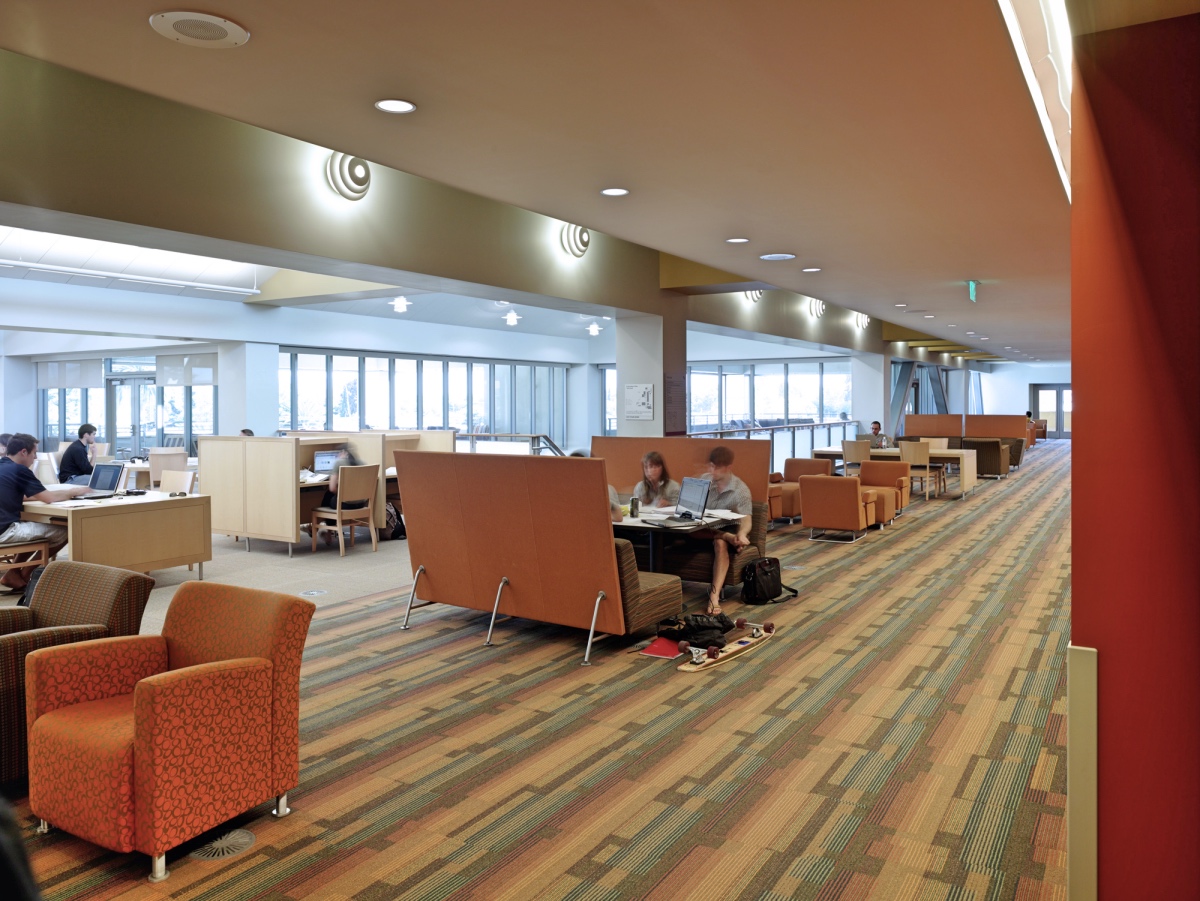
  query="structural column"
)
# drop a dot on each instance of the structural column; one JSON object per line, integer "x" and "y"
{"x": 247, "y": 388}
{"x": 652, "y": 372}
{"x": 870, "y": 384}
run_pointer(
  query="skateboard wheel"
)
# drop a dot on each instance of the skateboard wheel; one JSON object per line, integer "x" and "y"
{"x": 713, "y": 652}
{"x": 684, "y": 646}
{"x": 769, "y": 628}
{"x": 740, "y": 622}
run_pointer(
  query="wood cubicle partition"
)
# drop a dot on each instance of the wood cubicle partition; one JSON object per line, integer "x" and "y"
{"x": 934, "y": 425}
{"x": 542, "y": 522}
{"x": 684, "y": 457}
{"x": 993, "y": 426}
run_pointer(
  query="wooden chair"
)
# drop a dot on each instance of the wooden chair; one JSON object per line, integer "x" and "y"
{"x": 854, "y": 453}
{"x": 46, "y": 469}
{"x": 355, "y": 483}
{"x": 177, "y": 480}
{"x": 916, "y": 454}
{"x": 11, "y": 554}
{"x": 163, "y": 459}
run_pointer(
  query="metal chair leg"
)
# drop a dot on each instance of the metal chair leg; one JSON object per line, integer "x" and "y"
{"x": 587, "y": 654}
{"x": 411, "y": 595}
{"x": 281, "y": 806}
{"x": 158, "y": 868}
{"x": 495, "y": 609}
{"x": 42, "y": 827}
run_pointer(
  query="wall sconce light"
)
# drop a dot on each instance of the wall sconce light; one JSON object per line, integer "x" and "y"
{"x": 816, "y": 308}
{"x": 753, "y": 296}
{"x": 401, "y": 304}
{"x": 575, "y": 239}
{"x": 511, "y": 317}
{"x": 349, "y": 175}
{"x": 862, "y": 320}
{"x": 594, "y": 330}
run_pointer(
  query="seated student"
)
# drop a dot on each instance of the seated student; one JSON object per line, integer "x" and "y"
{"x": 247, "y": 433}
{"x": 728, "y": 492}
{"x": 18, "y": 484}
{"x": 614, "y": 505}
{"x": 656, "y": 489}
{"x": 78, "y": 460}
{"x": 345, "y": 457}
{"x": 877, "y": 438}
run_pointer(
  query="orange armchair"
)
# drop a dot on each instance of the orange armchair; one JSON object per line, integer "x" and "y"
{"x": 793, "y": 468}
{"x": 836, "y": 504}
{"x": 144, "y": 742}
{"x": 888, "y": 474}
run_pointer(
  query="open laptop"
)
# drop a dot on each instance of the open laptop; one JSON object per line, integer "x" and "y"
{"x": 104, "y": 481}
{"x": 693, "y": 498}
{"x": 323, "y": 461}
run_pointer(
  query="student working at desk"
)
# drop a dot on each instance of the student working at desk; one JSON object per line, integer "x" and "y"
{"x": 728, "y": 492}
{"x": 18, "y": 484}
{"x": 656, "y": 489}
{"x": 79, "y": 459}
{"x": 345, "y": 457}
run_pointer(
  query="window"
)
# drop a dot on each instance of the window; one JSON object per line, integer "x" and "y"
{"x": 95, "y": 413}
{"x": 610, "y": 400}
{"x": 432, "y": 393}
{"x": 522, "y": 400}
{"x": 736, "y": 396}
{"x": 704, "y": 398}
{"x": 174, "y": 415}
{"x": 804, "y": 392}
{"x": 456, "y": 396}
{"x": 376, "y": 393}
{"x": 53, "y": 417}
{"x": 769, "y": 394}
{"x": 481, "y": 390}
{"x": 502, "y": 395}
{"x": 406, "y": 394}
{"x": 344, "y": 416}
{"x": 835, "y": 390}
{"x": 311, "y": 387}
{"x": 285, "y": 392}
{"x": 541, "y": 400}
{"x": 204, "y": 412}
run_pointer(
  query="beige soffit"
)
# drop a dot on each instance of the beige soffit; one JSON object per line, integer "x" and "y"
{"x": 1088, "y": 16}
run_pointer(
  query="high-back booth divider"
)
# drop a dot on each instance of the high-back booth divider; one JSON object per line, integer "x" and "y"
{"x": 684, "y": 457}
{"x": 534, "y": 532}
{"x": 934, "y": 425}
{"x": 995, "y": 426}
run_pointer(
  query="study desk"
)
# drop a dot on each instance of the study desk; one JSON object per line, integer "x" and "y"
{"x": 138, "y": 474}
{"x": 963, "y": 459}
{"x": 144, "y": 533}
{"x": 631, "y": 527}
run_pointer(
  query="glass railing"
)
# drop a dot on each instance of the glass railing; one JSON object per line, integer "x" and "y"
{"x": 792, "y": 439}
{"x": 506, "y": 443}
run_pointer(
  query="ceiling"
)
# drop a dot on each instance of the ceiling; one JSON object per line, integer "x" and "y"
{"x": 893, "y": 145}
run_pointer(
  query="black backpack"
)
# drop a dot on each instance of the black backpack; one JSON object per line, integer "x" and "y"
{"x": 700, "y": 629}
{"x": 762, "y": 583}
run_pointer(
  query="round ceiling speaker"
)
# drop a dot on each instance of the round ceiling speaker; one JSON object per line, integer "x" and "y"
{"x": 199, "y": 30}
{"x": 349, "y": 175}
{"x": 575, "y": 239}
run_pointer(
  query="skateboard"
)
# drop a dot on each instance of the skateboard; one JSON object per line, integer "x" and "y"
{"x": 746, "y": 635}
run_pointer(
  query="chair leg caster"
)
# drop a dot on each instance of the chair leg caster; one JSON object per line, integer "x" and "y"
{"x": 158, "y": 868}
{"x": 281, "y": 806}
{"x": 42, "y": 827}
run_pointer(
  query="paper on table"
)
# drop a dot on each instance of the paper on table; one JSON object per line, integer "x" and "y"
{"x": 722, "y": 514}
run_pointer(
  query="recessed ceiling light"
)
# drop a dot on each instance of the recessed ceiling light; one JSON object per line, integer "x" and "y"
{"x": 983, "y": 339}
{"x": 614, "y": 192}
{"x": 777, "y": 257}
{"x": 511, "y": 317}
{"x": 737, "y": 240}
{"x": 606, "y": 317}
{"x": 1008, "y": 348}
{"x": 395, "y": 106}
{"x": 401, "y": 304}
{"x": 952, "y": 325}
{"x": 901, "y": 304}
{"x": 928, "y": 315}
{"x": 970, "y": 333}
{"x": 593, "y": 330}
{"x": 811, "y": 269}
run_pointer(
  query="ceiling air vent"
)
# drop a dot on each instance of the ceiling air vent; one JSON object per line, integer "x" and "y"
{"x": 199, "y": 30}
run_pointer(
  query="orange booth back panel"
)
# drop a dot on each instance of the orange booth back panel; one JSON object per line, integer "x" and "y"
{"x": 684, "y": 457}
{"x": 982, "y": 426}
{"x": 934, "y": 425}
{"x": 543, "y": 522}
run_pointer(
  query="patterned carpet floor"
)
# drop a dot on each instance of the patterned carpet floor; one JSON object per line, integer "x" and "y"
{"x": 901, "y": 737}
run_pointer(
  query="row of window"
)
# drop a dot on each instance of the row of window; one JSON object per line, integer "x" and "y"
{"x": 130, "y": 414}
{"x": 347, "y": 392}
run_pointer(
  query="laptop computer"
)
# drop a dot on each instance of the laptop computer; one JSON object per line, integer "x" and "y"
{"x": 693, "y": 498}
{"x": 323, "y": 460}
{"x": 104, "y": 481}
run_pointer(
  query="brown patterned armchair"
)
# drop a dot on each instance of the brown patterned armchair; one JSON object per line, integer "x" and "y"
{"x": 692, "y": 559}
{"x": 70, "y": 602}
{"x": 991, "y": 456}
{"x": 646, "y": 598}
{"x": 1016, "y": 450}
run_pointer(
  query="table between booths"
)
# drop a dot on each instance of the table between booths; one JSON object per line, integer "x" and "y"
{"x": 652, "y": 532}
{"x": 137, "y": 475}
{"x": 963, "y": 459}
{"x": 143, "y": 533}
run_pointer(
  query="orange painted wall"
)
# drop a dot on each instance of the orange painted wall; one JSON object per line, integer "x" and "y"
{"x": 1135, "y": 271}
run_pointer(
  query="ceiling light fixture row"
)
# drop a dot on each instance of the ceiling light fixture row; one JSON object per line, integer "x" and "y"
{"x": 401, "y": 304}
{"x": 511, "y": 317}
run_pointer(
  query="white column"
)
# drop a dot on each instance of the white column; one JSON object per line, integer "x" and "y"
{"x": 870, "y": 380}
{"x": 652, "y": 350}
{"x": 584, "y": 406}
{"x": 18, "y": 396}
{"x": 248, "y": 388}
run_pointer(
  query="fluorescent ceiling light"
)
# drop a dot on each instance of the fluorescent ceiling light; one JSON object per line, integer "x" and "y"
{"x": 811, "y": 269}
{"x": 901, "y": 304}
{"x": 132, "y": 279}
{"x": 777, "y": 257}
{"x": 737, "y": 240}
{"x": 395, "y": 106}
{"x": 614, "y": 192}
{"x": 928, "y": 315}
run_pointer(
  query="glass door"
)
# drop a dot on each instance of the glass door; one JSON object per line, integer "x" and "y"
{"x": 1053, "y": 403}
{"x": 132, "y": 416}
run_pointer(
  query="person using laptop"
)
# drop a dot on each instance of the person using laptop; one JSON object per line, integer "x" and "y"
{"x": 17, "y": 485}
{"x": 78, "y": 460}
{"x": 656, "y": 489}
{"x": 877, "y": 438}
{"x": 345, "y": 457}
{"x": 727, "y": 492}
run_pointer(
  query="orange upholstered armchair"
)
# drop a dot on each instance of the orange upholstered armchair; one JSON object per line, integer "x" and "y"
{"x": 888, "y": 475}
{"x": 833, "y": 504}
{"x": 793, "y": 468}
{"x": 142, "y": 743}
{"x": 69, "y": 602}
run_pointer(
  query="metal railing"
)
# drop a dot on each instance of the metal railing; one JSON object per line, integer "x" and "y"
{"x": 791, "y": 440}
{"x": 537, "y": 445}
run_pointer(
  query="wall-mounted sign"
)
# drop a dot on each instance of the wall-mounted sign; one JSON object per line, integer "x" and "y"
{"x": 639, "y": 401}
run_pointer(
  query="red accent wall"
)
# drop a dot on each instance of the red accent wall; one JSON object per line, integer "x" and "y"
{"x": 1135, "y": 306}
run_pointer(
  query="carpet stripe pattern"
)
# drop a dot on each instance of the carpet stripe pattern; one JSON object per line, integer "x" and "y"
{"x": 901, "y": 737}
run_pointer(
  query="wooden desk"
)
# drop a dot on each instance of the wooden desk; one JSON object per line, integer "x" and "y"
{"x": 627, "y": 528}
{"x": 963, "y": 459}
{"x": 138, "y": 474}
{"x": 152, "y": 531}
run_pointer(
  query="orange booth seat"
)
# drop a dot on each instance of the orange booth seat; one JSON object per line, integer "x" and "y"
{"x": 888, "y": 477}
{"x": 836, "y": 504}
{"x": 144, "y": 742}
{"x": 793, "y": 469}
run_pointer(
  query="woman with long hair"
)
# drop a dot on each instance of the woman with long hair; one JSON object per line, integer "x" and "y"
{"x": 656, "y": 489}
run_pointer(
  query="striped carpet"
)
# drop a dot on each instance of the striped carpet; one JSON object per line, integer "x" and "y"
{"x": 902, "y": 737}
